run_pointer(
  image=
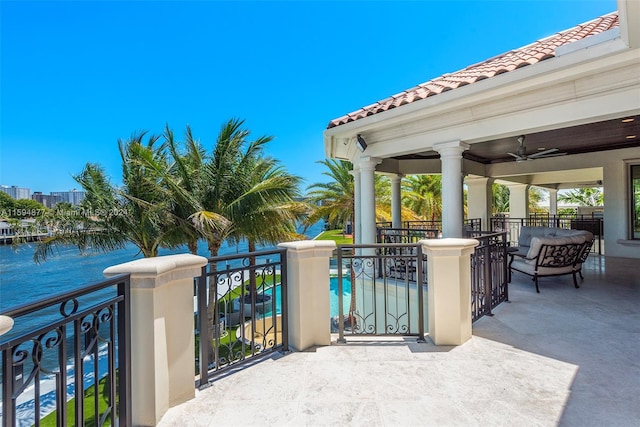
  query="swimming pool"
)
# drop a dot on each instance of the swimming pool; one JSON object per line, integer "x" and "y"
{"x": 333, "y": 296}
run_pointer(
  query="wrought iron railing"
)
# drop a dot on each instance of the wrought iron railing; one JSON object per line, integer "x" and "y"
{"x": 387, "y": 283}
{"x": 405, "y": 235}
{"x": 576, "y": 222}
{"x": 470, "y": 224}
{"x": 242, "y": 310}
{"x": 489, "y": 284}
{"x": 71, "y": 346}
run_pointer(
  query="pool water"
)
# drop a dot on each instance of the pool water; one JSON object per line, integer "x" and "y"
{"x": 333, "y": 296}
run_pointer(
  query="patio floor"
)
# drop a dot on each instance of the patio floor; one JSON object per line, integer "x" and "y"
{"x": 566, "y": 356}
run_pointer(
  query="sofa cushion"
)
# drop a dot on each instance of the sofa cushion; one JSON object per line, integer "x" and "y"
{"x": 537, "y": 242}
{"x": 529, "y": 267}
{"x": 527, "y": 233}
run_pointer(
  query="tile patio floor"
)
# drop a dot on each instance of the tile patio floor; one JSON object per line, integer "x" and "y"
{"x": 564, "y": 357}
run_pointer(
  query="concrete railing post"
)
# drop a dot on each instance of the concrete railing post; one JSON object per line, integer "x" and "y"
{"x": 449, "y": 289}
{"x": 308, "y": 292}
{"x": 162, "y": 333}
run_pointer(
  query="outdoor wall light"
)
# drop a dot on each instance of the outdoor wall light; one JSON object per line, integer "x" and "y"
{"x": 362, "y": 145}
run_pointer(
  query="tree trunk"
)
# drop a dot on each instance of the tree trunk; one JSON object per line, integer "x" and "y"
{"x": 192, "y": 245}
{"x": 214, "y": 247}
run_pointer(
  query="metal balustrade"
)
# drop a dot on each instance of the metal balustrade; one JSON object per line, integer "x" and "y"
{"x": 387, "y": 283}
{"x": 76, "y": 338}
{"x": 489, "y": 284}
{"x": 242, "y": 310}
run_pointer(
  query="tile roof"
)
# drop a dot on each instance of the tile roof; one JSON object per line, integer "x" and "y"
{"x": 518, "y": 58}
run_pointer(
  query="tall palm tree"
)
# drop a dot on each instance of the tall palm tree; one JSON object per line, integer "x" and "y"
{"x": 423, "y": 195}
{"x": 186, "y": 181}
{"x": 138, "y": 212}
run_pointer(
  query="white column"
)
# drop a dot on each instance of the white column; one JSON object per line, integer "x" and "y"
{"x": 308, "y": 292}
{"x": 396, "y": 201}
{"x": 356, "y": 222}
{"x": 368, "y": 199}
{"x": 553, "y": 201}
{"x": 452, "y": 203}
{"x": 480, "y": 199}
{"x": 518, "y": 200}
{"x": 162, "y": 333}
{"x": 449, "y": 296}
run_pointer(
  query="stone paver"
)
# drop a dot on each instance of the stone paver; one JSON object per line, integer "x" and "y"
{"x": 566, "y": 356}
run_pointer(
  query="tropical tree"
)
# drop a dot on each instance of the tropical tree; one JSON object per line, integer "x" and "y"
{"x": 583, "y": 197}
{"x": 138, "y": 212}
{"x": 333, "y": 200}
{"x": 500, "y": 202}
{"x": 423, "y": 195}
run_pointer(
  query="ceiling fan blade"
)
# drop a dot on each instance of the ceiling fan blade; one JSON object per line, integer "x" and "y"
{"x": 514, "y": 155}
{"x": 551, "y": 155}
{"x": 542, "y": 153}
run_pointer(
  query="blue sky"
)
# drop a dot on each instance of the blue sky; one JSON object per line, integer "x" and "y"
{"x": 77, "y": 76}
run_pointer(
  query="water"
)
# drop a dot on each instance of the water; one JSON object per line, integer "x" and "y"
{"x": 22, "y": 281}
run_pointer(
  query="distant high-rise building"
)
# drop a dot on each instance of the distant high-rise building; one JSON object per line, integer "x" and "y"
{"x": 16, "y": 192}
{"x": 47, "y": 200}
{"x": 74, "y": 196}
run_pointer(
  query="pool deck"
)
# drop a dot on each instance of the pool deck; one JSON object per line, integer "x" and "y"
{"x": 564, "y": 357}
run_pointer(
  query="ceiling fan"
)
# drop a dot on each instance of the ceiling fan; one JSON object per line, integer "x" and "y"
{"x": 521, "y": 152}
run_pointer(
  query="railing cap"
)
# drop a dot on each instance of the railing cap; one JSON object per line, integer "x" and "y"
{"x": 156, "y": 266}
{"x": 316, "y": 247}
{"x": 449, "y": 246}
{"x": 6, "y": 323}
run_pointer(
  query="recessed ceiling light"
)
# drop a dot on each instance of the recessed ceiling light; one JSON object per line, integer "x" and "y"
{"x": 631, "y": 136}
{"x": 541, "y": 149}
{"x": 629, "y": 120}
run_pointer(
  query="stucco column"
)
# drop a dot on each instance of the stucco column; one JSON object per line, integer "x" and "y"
{"x": 308, "y": 301}
{"x": 480, "y": 199}
{"x": 396, "y": 201}
{"x": 162, "y": 333}
{"x": 357, "y": 209}
{"x": 518, "y": 200}
{"x": 449, "y": 294}
{"x": 452, "y": 203}
{"x": 553, "y": 201}
{"x": 368, "y": 199}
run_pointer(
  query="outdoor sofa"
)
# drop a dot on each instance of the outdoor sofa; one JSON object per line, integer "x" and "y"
{"x": 550, "y": 251}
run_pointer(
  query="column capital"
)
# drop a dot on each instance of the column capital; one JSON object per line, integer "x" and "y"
{"x": 396, "y": 177}
{"x": 368, "y": 163}
{"x": 517, "y": 185}
{"x": 478, "y": 180}
{"x": 452, "y": 149}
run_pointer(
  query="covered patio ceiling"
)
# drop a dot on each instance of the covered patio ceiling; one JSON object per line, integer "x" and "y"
{"x": 606, "y": 135}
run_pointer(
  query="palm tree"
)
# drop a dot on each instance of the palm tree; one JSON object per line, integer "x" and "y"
{"x": 334, "y": 200}
{"x": 423, "y": 195}
{"x": 583, "y": 197}
{"x": 500, "y": 202}
{"x": 139, "y": 212}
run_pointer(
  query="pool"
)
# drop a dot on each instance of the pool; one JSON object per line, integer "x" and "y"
{"x": 333, "y": 296}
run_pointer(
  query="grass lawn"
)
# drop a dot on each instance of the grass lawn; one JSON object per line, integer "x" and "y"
{"x": 89, "y": 402}
{"x": 337, "y": 236}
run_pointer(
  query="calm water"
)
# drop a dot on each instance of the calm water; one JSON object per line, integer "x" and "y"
{"x": 23, "y": 281}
